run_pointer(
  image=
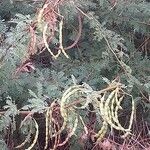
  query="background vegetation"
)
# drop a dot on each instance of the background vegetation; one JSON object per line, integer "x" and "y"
{"x": 57, "y": 54}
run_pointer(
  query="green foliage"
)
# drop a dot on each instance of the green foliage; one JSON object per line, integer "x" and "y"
{"x": 106, "y": 50}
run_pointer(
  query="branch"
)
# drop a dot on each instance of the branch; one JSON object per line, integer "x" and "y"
{"x": 21, "y": 112}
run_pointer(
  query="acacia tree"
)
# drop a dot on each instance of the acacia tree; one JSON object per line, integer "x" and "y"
{"x": 81, "y": 65}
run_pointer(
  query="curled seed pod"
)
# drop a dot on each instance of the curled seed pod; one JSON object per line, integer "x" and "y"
{"x": 85, "y": 128}
{"x": 60, "y": 38}
{"x": 132, "y": 113}
{"x": 108, "y": 114}
{"x": 107, "y": 108}
{"x": 46, "y": 44}
{"x": 131, "y": 117}
{"x": 71, "y": 133}
{"x": 47, "y": 127}
{"x": 40, "y": 15}
{"x": 25, "y": 141}
{"x": 101, "y": 106}
{"x": 116, "y": 111}
{"x": 36, "y": 136}
{"x": 102, "y": 131}
{"x": 68, "y": 93}
{"x": 112, "y": 109}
